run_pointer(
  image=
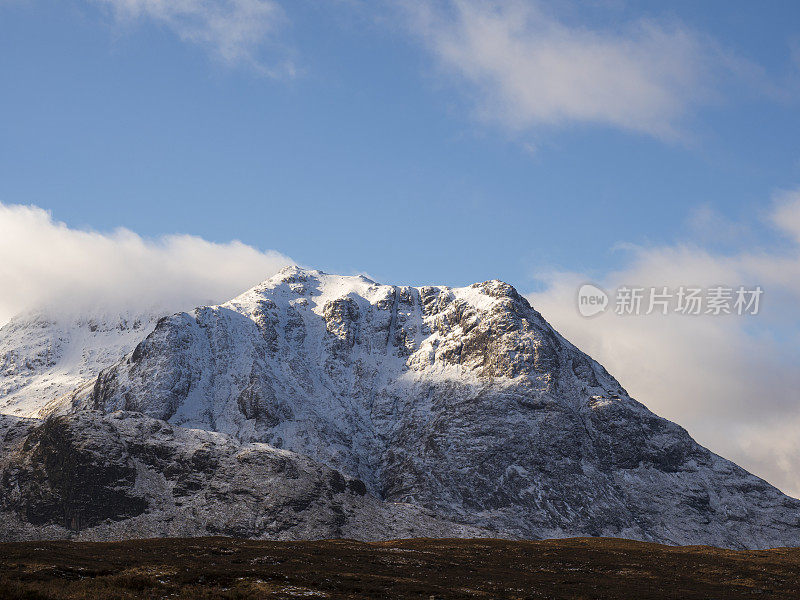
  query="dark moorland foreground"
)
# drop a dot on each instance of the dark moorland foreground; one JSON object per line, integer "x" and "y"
{"x": 422, "y": 568}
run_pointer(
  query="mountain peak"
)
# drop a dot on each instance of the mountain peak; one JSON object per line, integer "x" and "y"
{"x": 292, "y": 273}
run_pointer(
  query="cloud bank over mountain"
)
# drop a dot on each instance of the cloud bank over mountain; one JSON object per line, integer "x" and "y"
{"x": 46, "y": 263}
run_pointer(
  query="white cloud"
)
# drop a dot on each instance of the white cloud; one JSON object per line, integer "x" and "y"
{"x": 234, "y": 30}
{"x": 46, "y": 263}
{"x": 732, "y": 381}
{"x": 532, "y": 69}
{"x": 787, "y": 214}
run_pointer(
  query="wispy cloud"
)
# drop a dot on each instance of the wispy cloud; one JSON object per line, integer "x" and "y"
{"x": 530, "y": 69}
{"x": 786, "y": 215}
{"x": 44, "y": 263}
{"x": 708, "y": 224}
{"x": 733, "y": 381}
{"x": 235, "y": 31}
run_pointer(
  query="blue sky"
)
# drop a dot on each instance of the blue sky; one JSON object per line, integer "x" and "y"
{"x": 374, "y": 155}
{"x": 450, "y": 141}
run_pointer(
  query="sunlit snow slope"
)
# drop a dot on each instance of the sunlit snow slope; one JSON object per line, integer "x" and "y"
{"x": 43, "y": 357}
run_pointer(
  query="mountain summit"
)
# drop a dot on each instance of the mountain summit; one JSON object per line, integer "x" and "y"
{"x": 461, "y": 403}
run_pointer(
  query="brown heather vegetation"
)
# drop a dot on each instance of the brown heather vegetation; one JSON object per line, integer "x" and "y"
{"x": 224, "y": 568}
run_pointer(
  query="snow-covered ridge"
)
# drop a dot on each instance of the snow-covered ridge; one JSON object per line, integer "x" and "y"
{"x": 43, "y": 356}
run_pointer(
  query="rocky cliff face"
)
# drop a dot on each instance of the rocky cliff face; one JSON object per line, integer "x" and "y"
{"x": 95, "y": 477}
{"x": 462, "y": 401}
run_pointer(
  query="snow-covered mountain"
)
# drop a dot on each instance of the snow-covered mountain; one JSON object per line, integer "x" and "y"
{"x": 462, "y": 403}
{"x": 46, "y": 354}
